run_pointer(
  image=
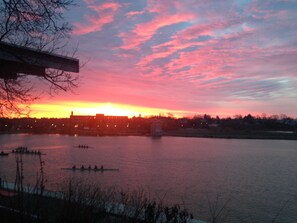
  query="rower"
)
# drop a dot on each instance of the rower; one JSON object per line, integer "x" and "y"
{"x": 82, "y": 167}
{"x": 89, "y": 167}
{"x": 101, "y": 168}
{"x": 74, "y": 167}
{"x": 95, "y": 168}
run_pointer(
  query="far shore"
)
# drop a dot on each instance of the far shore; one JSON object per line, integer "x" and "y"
{"x": 231, "y": 134}
{"x": 201, "y": 133}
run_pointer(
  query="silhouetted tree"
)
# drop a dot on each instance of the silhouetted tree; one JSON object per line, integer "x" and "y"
{"x": 40, "y": 25}
{"x": 249, "y": 119}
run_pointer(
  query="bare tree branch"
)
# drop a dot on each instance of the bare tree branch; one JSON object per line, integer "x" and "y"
{"x": 37, "y": 24}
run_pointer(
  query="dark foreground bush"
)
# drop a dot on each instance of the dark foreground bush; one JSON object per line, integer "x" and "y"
{"x": 82, "y": 203}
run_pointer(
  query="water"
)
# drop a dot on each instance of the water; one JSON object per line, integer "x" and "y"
{"x": 255, "y": 179}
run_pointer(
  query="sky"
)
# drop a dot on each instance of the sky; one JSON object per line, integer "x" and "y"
{"x": 183, "y": 57}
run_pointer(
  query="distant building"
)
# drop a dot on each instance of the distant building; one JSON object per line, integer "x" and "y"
{"x": 97, "y": 125}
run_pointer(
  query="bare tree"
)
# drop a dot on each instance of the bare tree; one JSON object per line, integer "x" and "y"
{"x": 40, "y": 25}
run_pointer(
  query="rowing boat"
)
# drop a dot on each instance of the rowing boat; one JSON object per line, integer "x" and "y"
{"x": 82, "y": 147}
{"x": 87, "y": 169}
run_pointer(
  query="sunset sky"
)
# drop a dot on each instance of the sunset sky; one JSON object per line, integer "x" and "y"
{"x": 185, "y": 57}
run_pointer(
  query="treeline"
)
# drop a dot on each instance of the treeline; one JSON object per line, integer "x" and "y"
{"x": 144, "y": 125}
{"x": 238, "y": 122}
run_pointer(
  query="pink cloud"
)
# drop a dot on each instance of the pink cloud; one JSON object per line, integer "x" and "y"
{"x": 208, "y": 61}
{"x": 163, "y": 16}
{"x": 105, "y": 14}
{"x": 188, "y": 38}
{"x": 156, "y": 6}
{"x": 145, "y": 31}
{"x": 133, "y": 13}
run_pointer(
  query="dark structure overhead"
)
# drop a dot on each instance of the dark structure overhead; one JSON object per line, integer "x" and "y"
{"x": 15, "y": 59}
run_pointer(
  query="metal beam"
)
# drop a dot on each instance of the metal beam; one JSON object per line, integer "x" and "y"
{"x": 32, "y": 59}
{"x": 9, "y": 69}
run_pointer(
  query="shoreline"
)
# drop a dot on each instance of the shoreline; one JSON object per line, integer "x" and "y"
{"x": 195, "y": 133}
{"x": 215, "y": 134}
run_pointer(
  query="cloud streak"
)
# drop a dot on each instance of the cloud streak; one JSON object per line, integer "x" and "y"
{"x": 103, "y": 14}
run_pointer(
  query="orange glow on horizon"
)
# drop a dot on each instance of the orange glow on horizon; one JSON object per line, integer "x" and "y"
{"x": 63, "y": 110}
